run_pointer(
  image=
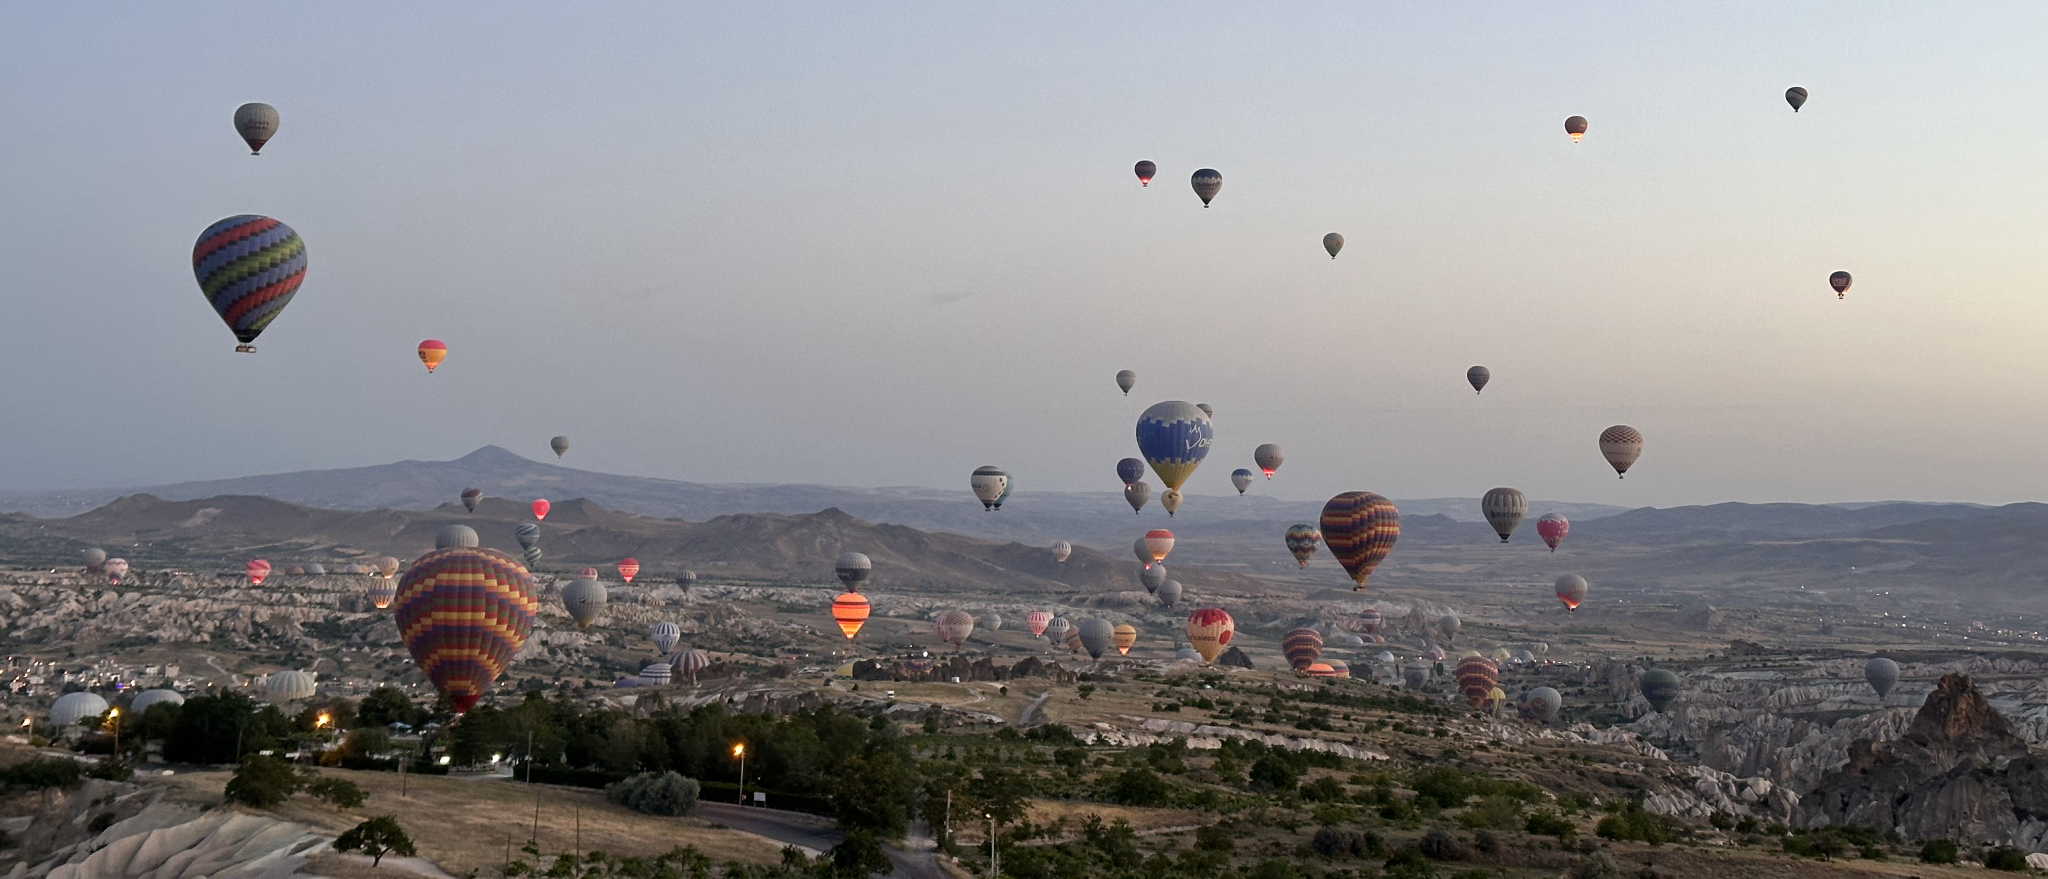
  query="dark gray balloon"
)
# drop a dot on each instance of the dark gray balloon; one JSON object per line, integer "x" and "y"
{"x": 1660, "y": 687}
{"x": 1333, "y": 242}
{"x": 528, "y": 534}
{"x": 853, "y": 569}
{"x": 1095, "y": 634}
{"x": 1883, "y": 675}
{"x": 1207, "y": 183}
{"x": 1543, "y": 703}
{"x": 455, "y": 535}
{"x": 1169, "y": 594}
{"x": 1478, "y": 376}
{"x": 1136, "y": 494}
{"x": 1414, "y": 674}
{"x": 1153, "y": 577}
{"x": 1126, "y": 379}
{"x": 1796, "y": 96}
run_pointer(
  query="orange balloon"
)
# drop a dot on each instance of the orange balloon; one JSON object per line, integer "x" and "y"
{"x": 850, "y": 610}
{"x": 432, "y": 352}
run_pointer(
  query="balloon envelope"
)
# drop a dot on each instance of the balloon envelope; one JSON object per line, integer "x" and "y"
{"x": 584, "y": 599}
{"x": 1169, "y": 594}
{"x": 1174, "y": 437}
{"x": 527, "y": 533}
{"x": 1153, "y": 577}
{"x": 1840, "y": 281}
{"x": 1360, "y": 528}
{"x": 1158, "y": 543}
{"x": 1170, "y": 501}
{"x": 1241, "y": 478}
{"x": 463, "y": 612}
{"x": 1576, "y": 127}
{"x": 853, "y": 569}
{"x": 1130, "y": 470}
{"x": 1883, "y": 675}
{"x": 628, "y": 569}
{"x": 954, "y": 626}
{"x": 1095, "y": 636}
{"x": 455, "y": 535}
{"x": 257, "y": 123}
{"x": 1209, "y": 631}
{"x": 1062, "y": 550}
{"x": 1302, "y": 540}
{"x": 1796, "y": 96}
{"x": 1553, "y": 527}
{"x": 432, "y": 352}
{"x": 850, "y": 610}
{"x": 1478, "y": 376}
{"x": 1036, "y": 621}
{"x": 1302, "y": 647}
{"x": 665, "y": 635}
{"x": 1476, "y": 677}
{"x": 471, "y": 497}
{"x": 1571, "y": 590}
{"x": 560, "y": 444}
{"x": 685, "y": 580}
{"x": 1621, "y": 445}
{"x": 1124, "y": 637}
{"x": 1136, "y": 494}
{"x": 258, "y": 570}
{"x": 1504, "y": 509}
{"x": 1268, "y": 457}
{"x": 1126, "y": 380}
{"x": 1659, "y": 688}
{"x": 249, "y": 267}
{"x": 1207, "y": 183}
{"x": 95, "y": 557}
{"x": 1145, "y": 170}
{"x": 990, "y": 483}
{"x": 1333, "y": 242}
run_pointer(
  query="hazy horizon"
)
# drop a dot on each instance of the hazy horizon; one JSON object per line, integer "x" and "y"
{"x": 880, "y": 247}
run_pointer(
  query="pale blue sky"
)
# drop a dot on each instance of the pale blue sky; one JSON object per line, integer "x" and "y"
{"x": 882, "y": 244}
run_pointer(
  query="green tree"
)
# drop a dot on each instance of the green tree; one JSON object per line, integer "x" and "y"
{"x": 1138, "y": 786}
{"x": 341, "y": 792}
{"x": 872, "y": 794}
{"x": 1939, "y": 851}
{"x": 859, "y": 855}
{"x": 2006, "y": 858}
{"x": 208, "y": 727}
{"x": 388, "y": 705}
{"x": 376, "y": 837}
{"x": 262, "y": 782}
{"x": 1274, "y": 772}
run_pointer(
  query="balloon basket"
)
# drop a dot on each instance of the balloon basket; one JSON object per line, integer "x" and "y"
{"x": 245, "y": 349}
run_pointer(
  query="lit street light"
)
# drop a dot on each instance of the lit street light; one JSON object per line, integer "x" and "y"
{"x": 740, "y": 751}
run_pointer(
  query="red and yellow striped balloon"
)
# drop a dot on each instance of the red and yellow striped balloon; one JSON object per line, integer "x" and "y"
{"x": 850, "y": 610}
{"x": 1302, "y": 647}
{"x": 463, "y": 611}
{"x": 432, "y": 352}
{"x": 628, "y": 569}
{"x": 1360, "y": 528}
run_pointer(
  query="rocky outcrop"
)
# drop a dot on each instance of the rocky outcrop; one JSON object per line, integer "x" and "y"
{"x": 1959, "y": 772}
{"x": 1234, "y": 658}
{"x": 110, "y": 830}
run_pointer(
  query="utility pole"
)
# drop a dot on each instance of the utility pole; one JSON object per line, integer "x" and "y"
{"x": 536, "y": 793}
{"x": 578, "y": 849}
{"x": 949, "y": 818}
{"x": 992, "y": 863}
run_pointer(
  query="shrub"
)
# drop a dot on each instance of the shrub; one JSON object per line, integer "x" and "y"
{"x": 43, "y": 773}
{"x": 1409, "y": 863}
{"x": 1938, "y": 851}
{"x": 652, "y": 793}
{"x": 1631, "y": 822}
{"x": 1496, "y": 812}
{"x": 1138, "y": 786}
{"x": 1447, "y": 788}
{"x": 2006, "y": 858}
{"x": 1331, "y": 842}
{"x": 340, "y": 792}
{"x": 1439, "y": 845}
{"x": 1273, "y": 772}
{"x": 1597, "y": 865}
{"x": 262, "y": 782}
{"x": 1216, "y": 838}
{"x": 1550, "y": 824}
{"x": 1323, "y": 790}
{"x": 376, "y": 837}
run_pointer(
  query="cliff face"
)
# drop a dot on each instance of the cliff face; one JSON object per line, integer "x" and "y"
{"x": 1959, "y": 772}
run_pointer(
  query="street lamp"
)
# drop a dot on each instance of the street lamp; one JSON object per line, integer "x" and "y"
{"x": 115, "y": 715}
{"x": 740, "y": 751}
{"x": 991, "y": 843}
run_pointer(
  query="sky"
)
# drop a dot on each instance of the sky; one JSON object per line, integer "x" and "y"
{"x": 882, "y": 244}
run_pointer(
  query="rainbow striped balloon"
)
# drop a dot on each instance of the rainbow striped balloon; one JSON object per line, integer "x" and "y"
{"x": 463, "y": 611}
{"x": 249, "y": 267}
{"x": 1360, "y": 528}
{"x": 1302, "y": 647}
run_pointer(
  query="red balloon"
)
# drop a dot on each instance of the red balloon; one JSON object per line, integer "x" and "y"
{"x": 540, "y": 509}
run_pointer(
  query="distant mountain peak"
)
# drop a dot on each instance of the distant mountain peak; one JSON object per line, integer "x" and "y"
{"x": 493, "y": 456}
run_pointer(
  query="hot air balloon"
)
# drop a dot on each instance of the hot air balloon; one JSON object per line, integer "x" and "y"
{"x": 628, "y": 569}
{"x": 685, "y": 580}
{"x": 1009, "y": 485}
{"x": 455, "y": 535}
{"x": 386, "y": 566}
{"x": 540, "y": 509}
{"x": 1158, "y": 542}
{"x": 1152, "y": 577}
{"x": 656, "y": 674}
{"x": 1145, "y": 170}
{"x": 1209, "y": 631}
{"x": 1369, "y": 620}
{"x": 954, "y": 626}
{"x": 1036, "y": 621}
{"x": 71, "y": 708}
{"x": 1126, "y": 380}
{"x": 850, "y": 610}
{"x": 289, "y": 686}
{"x": 991, "y": 621}
{"x": 1478, "y": 376}
{"x": 1268, "y": 457}
{"x": 382, "y": 592}
{"x": 587, "y": 574}
{"x": 1360, "y": 528}
{"x": 1552, "y": 527}
{"x": 853, "y": 569}
{"x": 1319, "y": 670}
{"x": 1476, "y": 676}
{"x": 1883, "y": 675}
{"x": 560, "y": 444}
{"x": 1207, "y": 183}
{"x": 115, "y": 569}
{"x": 1144, "y": 552}
{"x": 584, "y": 598}
{"x": 1414, "y": 674}
{"x": 1621, "y": 445}
{"x": 1241, "y": 478}
{"x": 1136, "y": 494}
{"x": 1170, "y": 501}
{"x": 1576, "y": 127}
{"x": 1840, "y": 281}
{"x": 471, "y": 497}
{"x": 257, "y": 570}
{"x": 463, "y": 612}
{"x": 689, "y": 662}
{"x": 990, "y": 483}
{"x": 1333, "y": 242}
{"x": 1169, "y": 594}
{"x": 318, "y": 569}
{"x": 94, "y": 558}
{"x": 1541, "y": 704}
{"x": 528, "y": 534}
{"x": 140, "y": 705}
{"x": 1130, "y": 470}
{"x": 1504, "y": 509}
{"x": 1095, "y": 636}
{"x": 1659, "y": 688}
{"x": 1796, "y": 96}
{"x": 1302, "y": 647}
{"x": 1571, "y": 590}
{"x": 432, "y": 352}
{"x": 257, "y": 124}
{"x": 1302, "y": 540}
{"x": 1062, "y": 550}
{"x": 1124, "y": 637}
{"x": 249, "y": 267}
{"x": 1174, "y": 437}
{"x": 1206, "y": 409}
{"x": 665, "y": 635}
{"x": 1434, "y": 654}
{"x": 1057, "y": 629}
{"x": 1448, "y": 625}
{"x": 533, "y": 556}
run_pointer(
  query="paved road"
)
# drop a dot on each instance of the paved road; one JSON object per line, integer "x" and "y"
{"x": 1024, "y": 717}
{"x": 818, "y": 834}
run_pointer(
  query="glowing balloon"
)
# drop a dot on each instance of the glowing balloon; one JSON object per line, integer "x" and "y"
{"x": 850, "y": 610}
{"x": 628, "y": 569}
{"x": 1145, "y": 170}
{"x": 1571, "y": 591}
{"x": 1209, "y": 631}
{"x": 258, "y": 570}
{"x": 1621, "y": 445}
{"x": 1174, "y": 437}
{"x": 1552, "y": 528}
{"x": 1269, "y": 458}
{"x": 540, "y": 509}
{"x": 1158, "y": 543}
{"x": 1360, "y": 528}
{"x": 115, "y": 569}
{"x": 1136, "y": 494}
{"x": 463, "y": 612}
{"x": 249, "y": 267}
{"x": 382, "y": 592}
{"x": 1124, "y": 637}
{"x": 1302, "y": 540}
{"x": 1576, "y": 127}
{"x": 432, "y": 352}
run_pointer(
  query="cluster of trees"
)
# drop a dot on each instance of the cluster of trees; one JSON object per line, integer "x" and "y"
{"x": 221, "y": 726}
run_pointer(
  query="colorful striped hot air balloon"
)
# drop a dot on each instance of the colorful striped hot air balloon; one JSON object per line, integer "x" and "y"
{"x": 1302, "y": 540}
{"x": 1360, "y": 528}
{"x": 540, "y": 509}
{"x": 527, "y": 533}
{"x": 1477, "y": 676}
{"x": 533, "y": 556}
{"x": 1318, "y": 670}
{"x": 1302, "y": 647}
{"x": 463, "y": 612}
{"x": 1036, "y": 621}
{"x": 1158, "y": 542}
{"x": 1552, "y": 527}
{"x": 258, "y": 570}
{"x": 1174, "y": 437}
{"x": 249, "y": 267}
{"x": 115, "y": 569}
{"x": 1369, "y": 620}
{"x": 432, "y": 352}
{"x": 688, "y": 663}
{"x": 382, "y": 592}
{"x": 628, "y": 569}
{"x": 850, "y": 610}
{"x": 1209, "y": 631}
{"x": 1339, "y": 668}
{"x": 1124, "y": 636}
